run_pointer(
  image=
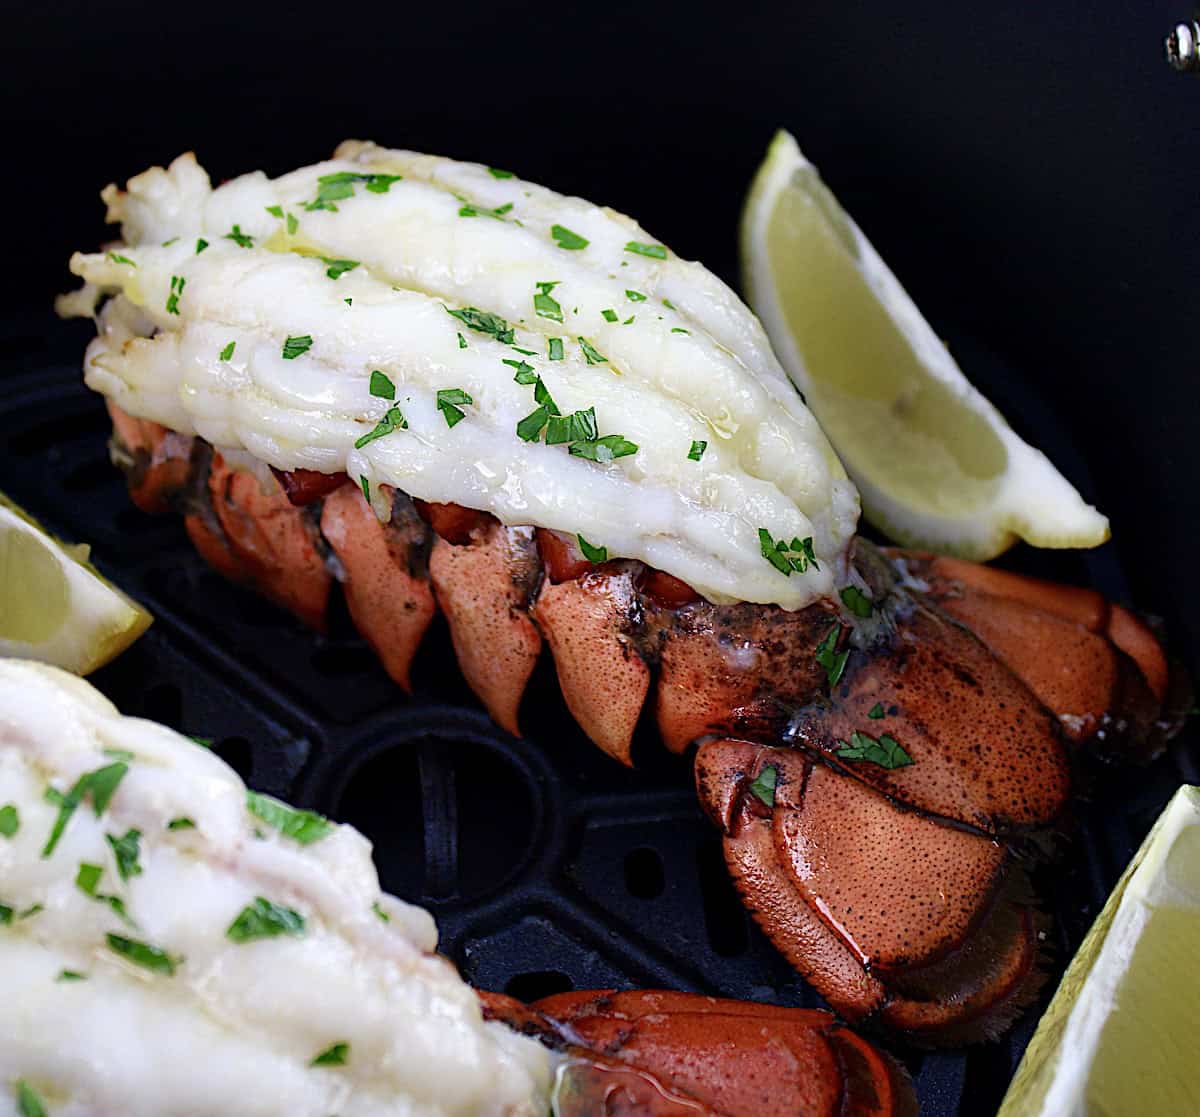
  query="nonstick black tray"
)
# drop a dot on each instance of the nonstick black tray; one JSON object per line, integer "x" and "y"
{"x": 546, "y": 864}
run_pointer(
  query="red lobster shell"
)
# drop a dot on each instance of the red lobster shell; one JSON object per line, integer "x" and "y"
{"x": 878, "y": 779}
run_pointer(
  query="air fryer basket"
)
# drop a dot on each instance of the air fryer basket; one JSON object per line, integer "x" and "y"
{"x": 547, "y": 865}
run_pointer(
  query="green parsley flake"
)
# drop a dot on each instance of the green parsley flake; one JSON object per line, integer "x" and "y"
{"x": 591, "y": 553}
{"x": 177, "y": 285}
{"x": 828, "y": 657}
{"x": 168, "y": 243}
{"x": 393, "y": 420}
{"x": 6, "y": 915}
{"x": 275, "y": 211}
{"x": 239, "y": 238}
{"x": 762, "y": 787}
{"x": 203, "y": 742}
{"x": 125, "y": 850}
{"x": 484, "y": 323}
{"x": 471, "y": 210}
{"x": 589, "y": 352}
{"x": 301, "y": 826}
{"x": 33, "y": 910}
{"x": 87, "y": 879}
{"x": 579, "y": 425}
{"x": 335, "y": 1056}
{"x": 654, "y": 251}
{"x": 609, "y": 315}
{"x": 886, "y": 751}
{"x": 144, "y": 955}
{"x": 117, "y": 258}
{"x": 697, "y": 450}
{"x": 181, "y": 823}
{"x": 29, "y": 1102}
{"x": 338, "y": 268}
{"x": 293, "y": 223}
{"x": 679, "y": 330}
{"x": 70, "y": 975}
{"x": 635, "y": 296}
{"x": 605, "y": 449}
{"x": 10, "y": 820}
{"x": 348, "y": 302}
{"x": 531, "y": 427}
{"x": 227, "y": 352}
{"x": 496, "y": 172}
{"x": 296, "y": 344}
{"x": 340, "y": 185}
{"x": 201, "y": 245}
{"x": 383, "y": 915}
{"x": 567, "y": 239}
{"x": 366, "y": 489}
{"x": 101, "y": 785}
{"x": 856, "y": 601}
{"x": 525, "y": 352}
{"x": 544, "y": 306}
{"x": 462, "y": 342}
{"x": 263, "y": 920}
{"x": 450, "y": 402}
{"x": 628, "y": 321}
{"x": 381, "y": 386}
{"x": 876, "y": 711}
{"x": 555, "y": 349}
{"x": 787, "y": 557}
{"x": 525, "y": 373}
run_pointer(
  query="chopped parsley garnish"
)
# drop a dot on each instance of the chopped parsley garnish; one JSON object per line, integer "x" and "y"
{"x": 340, "y": 185}
{"x": 275, "y": 211}
{"x": 6, "y": 915}
{"x": 762, "y": 787}
{"x": 525, "y": 373}
{"x": 787, "y": 557}
{"x": 348, "y": 302}
{"x": 555, "y": 349}
{"x": 100, "y": 785}
{"x": 668, "y": 304}
{"x": 531, "y": 427}
{"x": 886, "y": 751}
{"x": 177, "y": 285}
{"x": 293, "y": 224}
{"x": 227, "y": 352}
{"x": 117, "y": 258}
{"x": 589, "y": 352}
{"x": 628, "y": 321}
{"x": 604, "y": 449}
{"x": 635, "y": 296}
{"x": 70, "y": 975}
{"x": 525, "y": 352}
{"x": 335, "y": 1056}
{"x": 496, "y": 172}
{"x": 697, "y": 450}
{"x": 168, "y": 243}
{"x": 119, "y": 754}
{"x": 263, "y": 920}
{"x": 366, "y": 488}
{"x": 338, "y": 268}
{"x": 242, "y": 240}
{"x": 484, "y": 323}
{"x": 32, "y": 910}
{"x": 29, "y": 1102}
{"x": 654, "y": 251}
{"x": 10, "y": 820}
{"x": 381, "y": 386}
{"x": 450, "y": 402}
{"x": 876, "y": 711}
{"x": 125, "y": 850}
{"x": 469, "y": 209}
{"x": 828, "y": 657}
{"x": 144, "y": 955}
{"x": 393, "y": 420}
{"x": 302, "y": 826}
{"x": 181, "y": 824}
{"x": 87, "y": 879}
{"x": 203, "y": 742}
{"x": 462, "y": 342}
{"x": 609, "y": 315}
{"x": 201, "y": 245}
{"x": 295, "y": 344}
{"x": 383, "y": 915}
{"x": 679, "y": 330}
{"x": 579, "y": 425}
{"x": 567, "y": 239}
{"x": 545, "y": 306}
{"x": 856, "y": 601}
{"x": 592, "y": 553}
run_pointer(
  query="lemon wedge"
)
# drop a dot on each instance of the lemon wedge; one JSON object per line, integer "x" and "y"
{"x": 1119, "y": 1038}
{"x": 54, "y": 606}
{"x": 936, "y": 464}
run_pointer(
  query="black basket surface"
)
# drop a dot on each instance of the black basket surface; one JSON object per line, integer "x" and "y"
{"x": 547, "y": 865}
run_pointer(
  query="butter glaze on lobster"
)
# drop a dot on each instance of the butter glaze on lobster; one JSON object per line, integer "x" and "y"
{"x": 881, "y": 760}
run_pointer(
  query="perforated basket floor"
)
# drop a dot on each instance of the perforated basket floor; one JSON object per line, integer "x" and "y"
{"x": 547, "y": 865}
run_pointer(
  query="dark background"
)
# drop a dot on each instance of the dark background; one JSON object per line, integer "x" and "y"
{"x": 1029, "y": 170}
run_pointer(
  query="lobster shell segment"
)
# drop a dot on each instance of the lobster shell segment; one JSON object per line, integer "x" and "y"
{"x": 660, "y": 1054}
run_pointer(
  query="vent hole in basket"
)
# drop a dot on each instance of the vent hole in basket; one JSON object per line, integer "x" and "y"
{"x": 644, "y": 876}
{"x": 164, "y": 703}
{"x": 724, "y": 917}
{"x": 237, "y": 753}
{"x": 534, "y": 986}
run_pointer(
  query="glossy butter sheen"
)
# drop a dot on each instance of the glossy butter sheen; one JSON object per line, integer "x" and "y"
{"x": 234, "y": 1031}
{"x": 692, "y": 365}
